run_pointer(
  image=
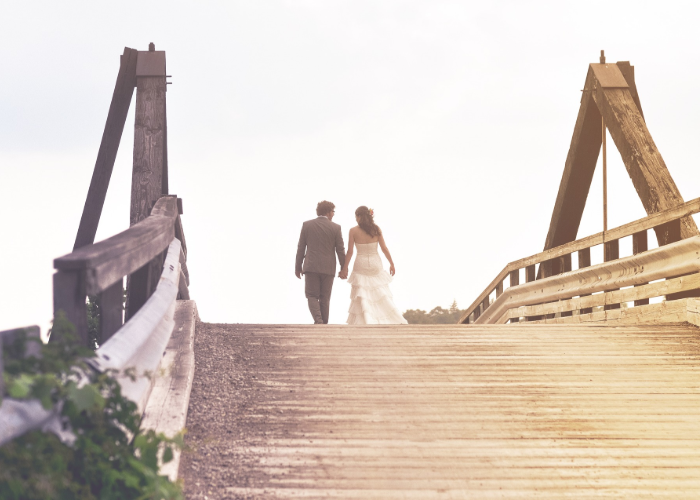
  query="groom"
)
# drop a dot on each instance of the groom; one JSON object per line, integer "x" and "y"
{"x": 320, "y": 238}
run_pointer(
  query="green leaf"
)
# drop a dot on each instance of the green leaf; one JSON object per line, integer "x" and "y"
{"x": 86, "y": 398}
{"x": 167, "y": 455}
{"x": 20, "y": 387}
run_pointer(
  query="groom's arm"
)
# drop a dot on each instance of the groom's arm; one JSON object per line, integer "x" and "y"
{"x": 340, "y": 247}
{"x": 301, "y": 252}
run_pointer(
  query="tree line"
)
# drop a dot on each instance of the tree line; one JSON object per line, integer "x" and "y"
{"x": 436, "y": 316}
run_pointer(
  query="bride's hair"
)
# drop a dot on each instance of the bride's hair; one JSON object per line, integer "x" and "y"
{"x": 366, "y": 221}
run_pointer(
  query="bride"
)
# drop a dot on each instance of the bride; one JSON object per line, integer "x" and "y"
{"x": 371, "y": 300}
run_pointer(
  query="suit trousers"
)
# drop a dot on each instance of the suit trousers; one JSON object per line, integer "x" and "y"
{"x": 318, "y": 292}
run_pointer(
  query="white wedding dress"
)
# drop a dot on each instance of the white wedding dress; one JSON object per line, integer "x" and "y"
{"x": 371, "y": 300}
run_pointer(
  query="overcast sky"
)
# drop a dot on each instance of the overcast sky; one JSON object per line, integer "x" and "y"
{"x": 451, "y": 119}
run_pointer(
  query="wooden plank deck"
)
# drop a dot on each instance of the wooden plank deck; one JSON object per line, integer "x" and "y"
{"x": 453, "y": 411}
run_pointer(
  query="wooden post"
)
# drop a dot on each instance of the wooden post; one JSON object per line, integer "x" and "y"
{"x": 565, "y": 267}
{"x": 485, "y": 304}
{"x": 69, "y": 296}
{"x": 546, "y": 269}
{"x": 639, "y": 245}
{"x": 146, "y": 185}
{"x": 530, "y": 275}
{"x": 642, "y": 159}
{"x": 578, "y": 173}
{"x": 605, "y": 178}
{"x": 514, "y": 281}
{"x": 669, "y": 232}
{"x": 499, "y": 289}
{"x": 111, "y": 137}
{"x": 111, "y": 308}
{"x": 149, "y": 163}
{"x": 584, "y": 260}
{"x": 611, "y": 251}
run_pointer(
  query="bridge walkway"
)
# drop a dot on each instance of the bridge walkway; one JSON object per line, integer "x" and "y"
{"x": 453, "y": 411}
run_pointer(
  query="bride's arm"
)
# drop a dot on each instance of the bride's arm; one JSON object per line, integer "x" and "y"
{"x": 382, "y": 245}
{"x": 351, "y": 244}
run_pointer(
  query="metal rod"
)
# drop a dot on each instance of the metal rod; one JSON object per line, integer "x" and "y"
{"x": 605, "y": 179}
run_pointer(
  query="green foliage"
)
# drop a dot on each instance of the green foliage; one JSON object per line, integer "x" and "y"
{"x": 437, "y": 315}
{"x": 104, "y": 462}
{"x": 93, "y": 320}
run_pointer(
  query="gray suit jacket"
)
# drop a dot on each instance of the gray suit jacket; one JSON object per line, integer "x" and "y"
{"x": 319, "y": 238}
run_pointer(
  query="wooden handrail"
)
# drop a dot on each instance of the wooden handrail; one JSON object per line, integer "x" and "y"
{"x": 644, "y": 224}
{"x": 675, "y": 259}
{"x": 99, "y": 269}
{"x": 109, "y": 260}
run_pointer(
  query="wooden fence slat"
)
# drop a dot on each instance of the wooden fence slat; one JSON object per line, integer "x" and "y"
{"x": 611, "y": 251}
{"x": 649, "y": 222}
{"x": 141, "y": 285}
{"x": 675, "y": 285}
{"x": 676, "y": 259}
{"x": 584, "y": 260}
{"x": 107, "y": 154}
{"x": 565, "y": 267}
{"x": 514, "y": 281}
{"x": 111, "y": 310}
{"x": 640, "y": 244}
{"x": 69, "y": 296}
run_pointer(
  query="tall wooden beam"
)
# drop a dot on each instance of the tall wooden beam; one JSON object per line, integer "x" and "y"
{"x": 107, "y": 154}
{"x": 627, "y": 71}
{"x": 578, "y": 173}
{"x": 149, "y": 145}
{"x": 149, "y": 179}
{"x": 640, "y": 155}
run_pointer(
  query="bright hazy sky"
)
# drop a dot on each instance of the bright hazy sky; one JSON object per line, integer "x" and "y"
{"x": 451, "y": 119}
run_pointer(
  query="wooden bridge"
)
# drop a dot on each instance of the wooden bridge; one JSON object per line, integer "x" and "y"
{"x": 566, "y": 378}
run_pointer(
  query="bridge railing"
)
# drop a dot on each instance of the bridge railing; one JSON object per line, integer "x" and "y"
{"x": 98, "y": 270}
{"x": 157, "y": 245}
{"x": 563, "y": 292}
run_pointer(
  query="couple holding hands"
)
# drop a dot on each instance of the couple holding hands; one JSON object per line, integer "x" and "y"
{"x": 320, "y": 240}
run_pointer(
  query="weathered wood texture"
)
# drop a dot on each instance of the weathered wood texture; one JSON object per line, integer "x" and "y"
{"x": 432, "y": 412}
{"x": 627, "y": 71}
{"x": 642, "y": 159}
{"x": 640, "y": 244}
{"x": 141, "y": 341}
{"x": 107, "y": 154}
{"x": 665, "y": 219}
{"x": 69, "y": 295}
{"x": 166, "y": 410}
{"x": 109, "y": 260}
{"x": 149, "y": 146}
{"x": 111, "y": 310}
{"x": 663, "y": 313}
{"x": 578, "y": 174}
{"x": 659, "y": 289}
{"x": 621, "y": 109}
{"x": 671, "y": 260}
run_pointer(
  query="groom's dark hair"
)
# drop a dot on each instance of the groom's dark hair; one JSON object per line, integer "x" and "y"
{"x": 324, "y": 207}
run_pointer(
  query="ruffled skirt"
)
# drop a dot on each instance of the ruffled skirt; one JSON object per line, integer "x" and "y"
{"x": 371, "y": 300}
